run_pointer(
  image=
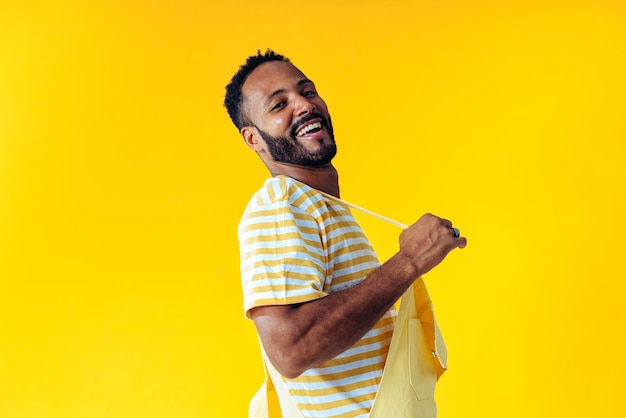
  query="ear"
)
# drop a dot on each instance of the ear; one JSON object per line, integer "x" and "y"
{"x": 251, "y": 137}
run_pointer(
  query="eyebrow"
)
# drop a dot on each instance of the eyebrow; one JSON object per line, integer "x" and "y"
{"x": 279, "y": 91}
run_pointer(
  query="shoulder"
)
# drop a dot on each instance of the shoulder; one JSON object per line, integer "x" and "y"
{"x": 283, "y": 191}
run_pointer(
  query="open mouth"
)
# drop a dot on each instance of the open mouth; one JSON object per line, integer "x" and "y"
{"x": 309, "y": 128}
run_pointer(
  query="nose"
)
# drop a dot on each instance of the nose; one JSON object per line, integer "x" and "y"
{"x": 303, "y": 106}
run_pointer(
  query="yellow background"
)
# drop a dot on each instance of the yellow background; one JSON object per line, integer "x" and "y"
{"x": 122, "y": 181}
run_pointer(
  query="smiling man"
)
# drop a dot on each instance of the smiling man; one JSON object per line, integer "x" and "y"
{"x": 322, "y": 304}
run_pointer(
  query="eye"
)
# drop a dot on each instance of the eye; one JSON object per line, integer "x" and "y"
{"x": 309, "y": 93}
{"x": 278, "y": 105}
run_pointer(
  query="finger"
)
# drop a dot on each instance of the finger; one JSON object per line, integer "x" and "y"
{"x": 446, "y": 223}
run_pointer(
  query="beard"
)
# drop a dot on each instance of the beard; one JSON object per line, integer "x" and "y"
{"x": 288, "y": 150}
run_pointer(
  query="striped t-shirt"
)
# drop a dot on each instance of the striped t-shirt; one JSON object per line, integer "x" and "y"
{"x": 297, "y": 247}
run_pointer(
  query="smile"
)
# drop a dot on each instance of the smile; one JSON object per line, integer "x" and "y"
{"x": 308, "y": 128}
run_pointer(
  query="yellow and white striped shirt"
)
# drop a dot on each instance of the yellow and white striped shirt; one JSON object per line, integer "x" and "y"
{"x": 297, "y": 247}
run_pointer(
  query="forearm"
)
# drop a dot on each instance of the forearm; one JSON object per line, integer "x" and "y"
{"x": 306, "y": 335}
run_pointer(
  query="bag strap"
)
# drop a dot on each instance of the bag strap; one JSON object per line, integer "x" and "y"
{"x": 273, "y": 400}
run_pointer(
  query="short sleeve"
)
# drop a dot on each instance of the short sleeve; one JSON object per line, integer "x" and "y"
{"x": 282, "y": 256}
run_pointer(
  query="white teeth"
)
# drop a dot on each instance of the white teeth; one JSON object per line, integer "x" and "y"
{"x": 316, "y": 125}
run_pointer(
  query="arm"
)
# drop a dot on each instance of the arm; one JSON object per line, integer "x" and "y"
{"x": 298, "y": 337}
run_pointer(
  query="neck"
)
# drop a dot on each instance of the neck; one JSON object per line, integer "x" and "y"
{"x": 324, "y": 178}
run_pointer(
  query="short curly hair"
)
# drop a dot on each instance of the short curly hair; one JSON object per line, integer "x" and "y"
{"x": 233, "y": 98}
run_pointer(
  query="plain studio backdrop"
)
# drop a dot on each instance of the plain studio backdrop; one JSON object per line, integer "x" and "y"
{"x": 122, "y": 182}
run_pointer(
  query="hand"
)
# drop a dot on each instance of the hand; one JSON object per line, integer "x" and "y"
{"x": 428, "y": 241}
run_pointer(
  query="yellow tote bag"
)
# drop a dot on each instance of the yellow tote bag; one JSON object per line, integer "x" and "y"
{"x": 417, "y": 358}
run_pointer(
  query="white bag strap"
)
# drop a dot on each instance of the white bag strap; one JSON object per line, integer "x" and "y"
{"x": 273, "y": 400}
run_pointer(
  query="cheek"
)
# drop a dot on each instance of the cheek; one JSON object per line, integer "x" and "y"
{"x": 279, "y": 121}
{"x": 322, "y": 106}
{"x": 279, "y": 124}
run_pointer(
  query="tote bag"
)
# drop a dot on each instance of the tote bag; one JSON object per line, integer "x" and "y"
{"x": 417, "y": 358}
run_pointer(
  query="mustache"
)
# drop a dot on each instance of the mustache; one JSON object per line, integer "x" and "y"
{"x": 306, "y": 119}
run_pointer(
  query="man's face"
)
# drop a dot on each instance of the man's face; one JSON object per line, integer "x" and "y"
{"x": 289, "y": 116}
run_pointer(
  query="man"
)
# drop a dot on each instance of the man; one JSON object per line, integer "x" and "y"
{"x": 322, "y": 304}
